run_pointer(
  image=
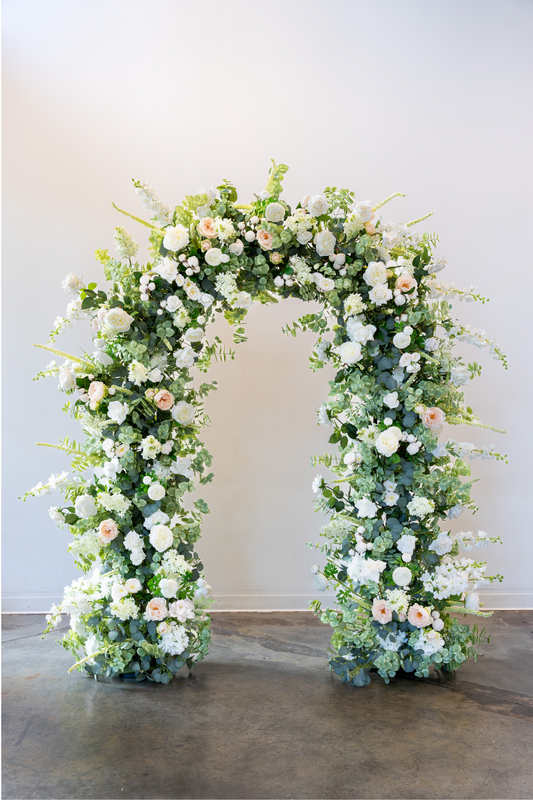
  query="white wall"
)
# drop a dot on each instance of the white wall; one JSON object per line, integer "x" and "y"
{"x": 432, "y": 99}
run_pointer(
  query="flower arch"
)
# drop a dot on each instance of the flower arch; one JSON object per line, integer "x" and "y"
{"x": 385, "y": 325}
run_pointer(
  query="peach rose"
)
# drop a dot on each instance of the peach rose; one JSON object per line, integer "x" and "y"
{"x": 419, "y": 616}
{"x": 433, "y": 419}
{"x": 107, "y": 531}
{"x": 207, "y": 227}
{"x": 164, "y": 400}
{"x": 156, "y": 609}
{"x": 265, "y": 239}
{"x": 150, "y": 394}
{"x": 406, "y": 282}
{"x": 381, "y": 611}
{"x": 370, "y": 228}
{"x": 96, "y": 392}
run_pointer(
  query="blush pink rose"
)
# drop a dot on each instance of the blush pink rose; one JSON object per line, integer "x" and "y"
{"x": 107, "y": 531}
{"x": 406, "y": 282}
{"x": 265, "y": 239}
{"x": 419, "y": 616}
{"x": 164, "y": 400}
{"x": 96, "y": 391}
{"x": 370, "y": 228}
{"x": 381, "y": 612}
{"x": 156, "y": 609}
{"x": 207, "y": 227}
{"x": 433, "y": 418}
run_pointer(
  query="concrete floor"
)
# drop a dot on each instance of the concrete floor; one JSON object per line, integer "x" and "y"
{"x": 264, "y": 718}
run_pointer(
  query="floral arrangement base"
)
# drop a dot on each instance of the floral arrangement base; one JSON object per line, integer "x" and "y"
{"x": 385, "y": 325}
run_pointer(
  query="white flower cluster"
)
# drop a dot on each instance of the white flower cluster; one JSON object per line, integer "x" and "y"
{"x": 114, "y": 502}
{"x": 452, "y": 578}
{"x": 420, "y": 506}
{"x": 226, "y": 285}
{"x": 224, "y": 229}
{"x": 174, "y": 640}
{"x": 354, "y": 305}
{"x": 125, "y": 608}
{"x": 302, "y": 270}
{"x": 151, "y": 202}
{"x": 125, "y": 246}
{"x": 173, "y": 564}
{"x": 467, "y": 449}
{"x": 137, "y": 373}
{"x": 150, "y": 447}
{"x": 429, "y": 642}
{"x": 300, "y": 224}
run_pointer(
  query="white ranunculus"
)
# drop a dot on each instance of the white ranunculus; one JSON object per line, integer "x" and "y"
{"x": 366, "y": 508}
{"x": 350, "y": 352}
{"x": 304, "y": 237}
{"x": 325, "y": 243}
{"x": 67, "y": 379}
{"x": 117, "y": 411}
{"x": 72, "y": 283}
{"x": 56, "y": 514}
{"x": 274, "y": 212}
{"x": 214, "y": 256}
{"x": 161, "y": 538}
{"x": 380, "y": 294}
{"x": 317, "y": 205}
{"x": 206, "y": 299}
{"x": 183, "y": 413}
{"x": 391, "y": 400}
{"x": 387, "y": 442}
{"x": 402, "y": 576}
{"x": 401, "y": 340}
{"x": 195, "y": 334}
{"x": 236, "y": 248}
{"x": 117, "y": 320}
{"x": 176, "y": 238}
{"x": 167, "y": 269}
{"x": 156, "y": 491}
{"x": 85, "y": 506}
{"x": 169, "y": 587}
{"x": 375, "y": 273}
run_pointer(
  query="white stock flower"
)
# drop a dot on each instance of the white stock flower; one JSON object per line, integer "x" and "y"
{"x": 176, "y": 238}
{"x": 317, "y": 205}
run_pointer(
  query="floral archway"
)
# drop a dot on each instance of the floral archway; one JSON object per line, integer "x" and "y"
{"x": 386, "y": 326}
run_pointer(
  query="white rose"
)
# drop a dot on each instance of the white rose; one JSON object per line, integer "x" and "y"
{"x": 236, "y": 248}
{"x": 184, "y": 358}
{"x": 155, "y": 375}
{"x": 133, "y": 585}
{"x": 195, "y": 334}
{"x": 359, "y": 332}
{"x": 173, "y": 303}
{"x": 117, "y": 320}
{"x": 206, "y": 299}
{"x": 380, "y": 294}
{"x": 72, "y": 283}
{"x": 402, "y": 576}
{"x": 156, "y": 491}
{"x": 472, "y": 601}
{"x": 459, "y": 375}
{"x": 375, "y": 273}
{"x": 350, "y": 352}
{"x": 102, "y": 358}
{"x": 391, "y": 400}
{"x": 67, "y": 379}
{"x": 117, "y": 411}
{"x": 401, "y": 340}
{"x": 176, "y": 238}
{"x": 317, "y": 205}
{"x": 137, "y": 556}
{"x": 118, "y": 591}
{"x": 371, "y": 570}
{"x": 85, "y": 506}
{"x": 325, "y": 243}
{"x": 169, "y": 587}
{"x": 442, "y": 544}
{"x": 191, "y": 290}
{"x": 132, "y": 541}
{"x": 324, "y": 284}
{"x": 406, "y": 543}
{"x": 431, "y": 344}
{"x": 56, "y": 514}
{"x": 304, "y": 237}
{"x": 274, "y": 212}
{"x": 214, "y": 256}
{"x": 161, "y": 538}
{"x": 366, "y": 508}
{"x": 167, "y": 269}
{"x": 387, "y": 442}
{"x": 244, "y": 300}
{"x": 183, "y": 413}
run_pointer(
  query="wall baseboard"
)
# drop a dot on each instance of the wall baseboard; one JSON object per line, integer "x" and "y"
{"x": 40, "y": 602}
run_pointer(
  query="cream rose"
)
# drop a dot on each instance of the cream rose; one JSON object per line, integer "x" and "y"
{"x": 207, "y": 227}
{"x": 265, "y": 239}
{"x": 401, "y": 340}
{"x": 161, "y": 538}
{"x": 375, "y": 273}
{"x": 96, "y": 391}
{"x": 156, "y": 610}
{"x": 274, "y": 212}
{"x": 191, "y": 290}
{"x": 107, "y": 531}
{"x": 236, "y": 248}
{"x": 402, "y": 576}
{"x": 325, "y": 243}
{"x": 380, "y": 294}
{"x": 156, "y": 491}
{"x": 419, "y": 616}
{"x": 350, "y": 352}
{"x": 381, "y": 611}
{"x": 72, "y": 283}
{"x": 85, "y": 506}
{"x": 317, "y": 205}
{"x": 164, "y": 400}
{"x": 213, "y": 256}
{"x": 176, "y": 238}
{"x": 433, "y": 419}
{"x": 388, "y": 441}
{"x": 169, "y": 587}
{"x": 183, "y": 413}
{"x": 117, "y": 320}
{"x": 167, "y": 270}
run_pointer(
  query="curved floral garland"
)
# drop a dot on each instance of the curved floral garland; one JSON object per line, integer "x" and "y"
{"x": 385, "y": 325}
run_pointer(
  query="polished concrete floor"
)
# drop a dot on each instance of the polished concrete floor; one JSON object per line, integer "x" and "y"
{"x": 264, "y": 718}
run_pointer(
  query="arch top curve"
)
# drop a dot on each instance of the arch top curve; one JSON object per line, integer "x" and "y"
{"x": 385, "y": 325}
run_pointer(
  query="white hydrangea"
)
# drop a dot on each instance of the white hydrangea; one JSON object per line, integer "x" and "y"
{"x": 150, "y": 447}
{"x": 125, "y": 246}
{"x": 175, "y": 639}
{"x": 302, "y": 270}
{"x": 137, "y": 373}
{"x": 87, "y": 544}
{"x": 114, "y": 502}
{"x": 126, "y": 608}
{"x": 173, "y": 564}
{"x": 354, "y": 305}
{"x": 224, "y": 229}
{"x": 420, "y": 506}
{"x": 181, "y": 319}
{"x": 392, "y": 641}
{"x": 398, "y": 600}
{"x": 226, "y": 285}
{"x": 299, "y": 222}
